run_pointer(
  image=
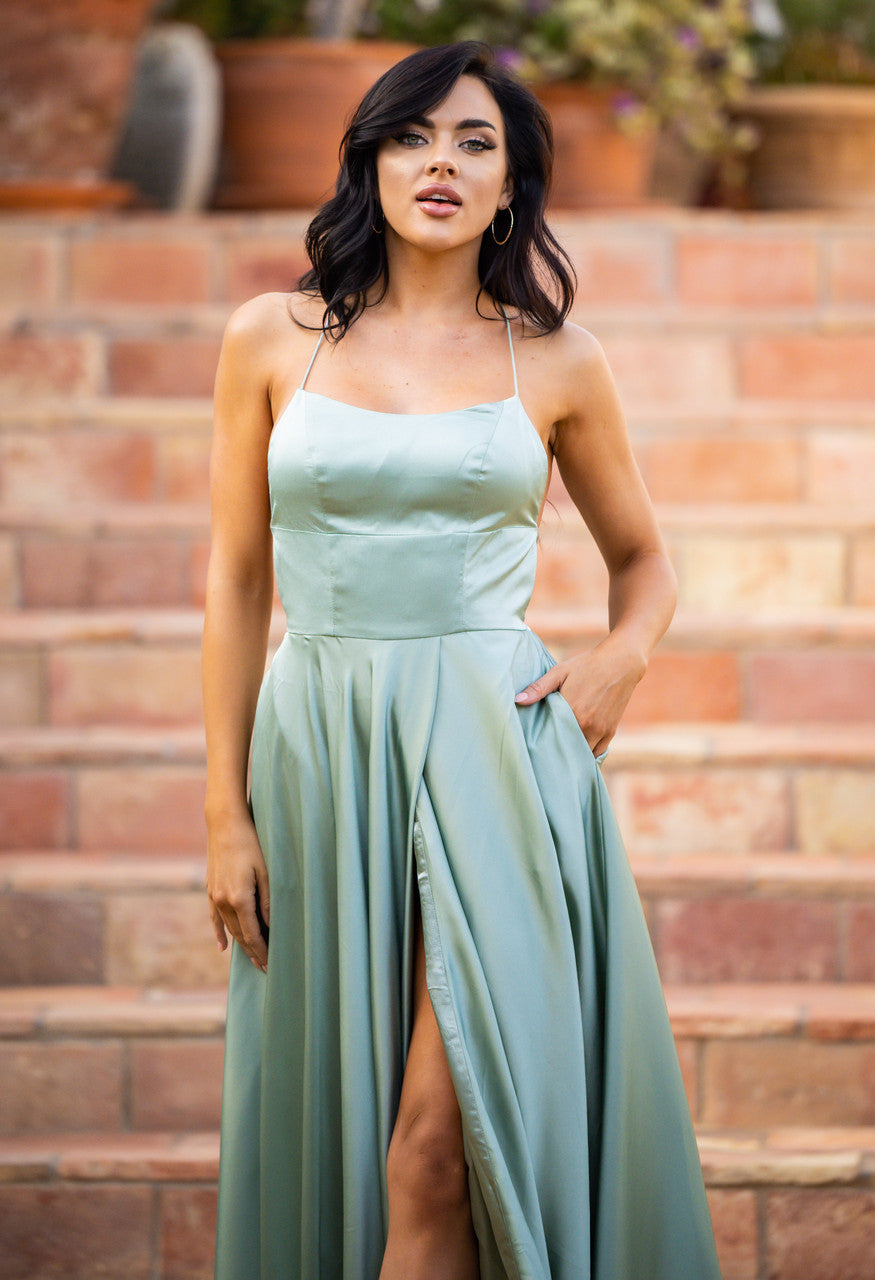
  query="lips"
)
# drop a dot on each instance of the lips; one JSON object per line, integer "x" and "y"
{"x": 439, "y": 200}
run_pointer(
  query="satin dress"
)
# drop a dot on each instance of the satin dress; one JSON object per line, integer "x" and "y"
{"x": 389, "y": 758}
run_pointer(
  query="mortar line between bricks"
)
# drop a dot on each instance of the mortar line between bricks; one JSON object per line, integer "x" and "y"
{"x": 155, "y": 1234}
{"x": 762, "y": 1233}
{"x": 843, "y": 907}
{"x": 43, "y": 707}
{"x": 71, "y": 774}
{"x": 127, "y": 1084}
{"x": 103, "y": 903}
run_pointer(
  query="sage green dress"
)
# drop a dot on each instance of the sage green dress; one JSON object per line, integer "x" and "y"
{"x": 390, "y": 758}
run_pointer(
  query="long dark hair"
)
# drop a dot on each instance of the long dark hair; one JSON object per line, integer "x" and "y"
{"x": 348, "y": 257}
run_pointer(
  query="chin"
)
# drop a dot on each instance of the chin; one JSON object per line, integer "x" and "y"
{"x": 436, "y": 238}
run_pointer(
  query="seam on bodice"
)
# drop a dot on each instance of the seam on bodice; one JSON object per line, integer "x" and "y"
{"x": 319, "y": 503}
{"x": 475, "y": 487}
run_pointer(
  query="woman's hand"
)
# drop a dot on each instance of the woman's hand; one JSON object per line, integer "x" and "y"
{"x": 597, "y": 685}
{"x": 235, "y": 867}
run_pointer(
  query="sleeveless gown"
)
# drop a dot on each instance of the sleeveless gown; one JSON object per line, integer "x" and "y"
{"x": 388, "y": 758}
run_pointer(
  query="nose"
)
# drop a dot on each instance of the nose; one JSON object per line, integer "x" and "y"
{"x": 441, "y": 163}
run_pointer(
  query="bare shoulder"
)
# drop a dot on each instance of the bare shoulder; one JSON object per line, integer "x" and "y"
{"x": 571, "y": 351}
{"x": 567, "y": 368}
{"x": 268, "y": 341}
{"x": 272, "y": 315}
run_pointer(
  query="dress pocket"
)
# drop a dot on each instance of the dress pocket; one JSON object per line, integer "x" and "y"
{"x": 567, "y": 710}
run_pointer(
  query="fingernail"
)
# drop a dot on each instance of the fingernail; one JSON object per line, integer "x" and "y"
{"x": 522, "y": 697}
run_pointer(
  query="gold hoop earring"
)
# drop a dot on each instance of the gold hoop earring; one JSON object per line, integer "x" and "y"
{"x": 509, "y": 230}
{"x": 378, "y": 230}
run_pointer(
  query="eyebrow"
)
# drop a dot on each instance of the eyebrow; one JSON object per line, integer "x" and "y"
{"x": 463, "y": 124}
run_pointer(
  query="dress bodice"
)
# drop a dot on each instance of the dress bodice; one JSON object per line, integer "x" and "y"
{"x": 395, "y": 525}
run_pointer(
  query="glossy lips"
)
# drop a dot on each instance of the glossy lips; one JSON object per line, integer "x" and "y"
{"x": 439, "y": 200}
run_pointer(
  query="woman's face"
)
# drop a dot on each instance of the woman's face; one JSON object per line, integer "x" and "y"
{"x": 443, "y": 176}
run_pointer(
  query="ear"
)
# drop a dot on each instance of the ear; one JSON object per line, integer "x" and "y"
{"x": 506, "y": 193}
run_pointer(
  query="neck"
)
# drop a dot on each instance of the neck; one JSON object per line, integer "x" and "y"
{"x": 440, "y": 288}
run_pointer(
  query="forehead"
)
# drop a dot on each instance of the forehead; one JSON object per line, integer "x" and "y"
{"x": 469, "y": 99}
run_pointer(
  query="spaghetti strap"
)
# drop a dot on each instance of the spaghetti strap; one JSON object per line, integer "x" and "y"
{"x": 516, "y": 389}
{"x": 312, "y": 358}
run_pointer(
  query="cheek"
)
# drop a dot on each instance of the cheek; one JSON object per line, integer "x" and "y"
{"x": 392, "y": 177}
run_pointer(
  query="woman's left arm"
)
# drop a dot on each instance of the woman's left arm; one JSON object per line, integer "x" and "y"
{"x": 592, "y": 450}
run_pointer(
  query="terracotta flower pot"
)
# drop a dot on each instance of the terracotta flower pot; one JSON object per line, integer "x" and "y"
{"x": 817, "y": 148}
{"x": 67, "y": 69}
{"x": 286, "y": 105}
{"x": 597, "y": 165}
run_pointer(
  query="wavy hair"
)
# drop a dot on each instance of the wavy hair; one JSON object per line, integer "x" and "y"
{"x": 531, "y": 273}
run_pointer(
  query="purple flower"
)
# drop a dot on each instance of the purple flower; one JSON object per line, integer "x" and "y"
{"x": 508, "y": 58}
{"x": 688, "y": 37}
{"x": 625, "y": 104}
{"x": 535, "y": 8}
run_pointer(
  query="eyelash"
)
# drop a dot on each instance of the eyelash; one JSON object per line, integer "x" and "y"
{"x": 482, "y": 143}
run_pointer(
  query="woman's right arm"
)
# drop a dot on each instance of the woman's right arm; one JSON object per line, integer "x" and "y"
{"x": 239, "y": 600}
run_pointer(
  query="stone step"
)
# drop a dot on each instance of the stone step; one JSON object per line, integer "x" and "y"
{"x": 762, "y": 918}
{"x": 676, "y": 354}
{"x": 130, "y": 449}
{"x": 730, "y": 557}
{"x": 139, "y": 554}
{"x": 755, "y": 261}
{"x": 709, "y": 788}
{"x": 785, "y": 1202}
{"x": 752, "y": 1055}
{"x": 115, "y": 918}
{"x": 672, "y": 354}
{"x": 142, "y": 666}
{"x": 110, "y": 1058}
{"x": 110, "y": 918}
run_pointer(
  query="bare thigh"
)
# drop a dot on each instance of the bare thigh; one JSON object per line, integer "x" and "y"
{"x": 431, "y": 1232}
{"x": 427, "y": 1088}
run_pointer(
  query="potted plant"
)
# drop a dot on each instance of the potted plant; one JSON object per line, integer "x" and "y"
{"x": 619, "y": 77}
{"x": 292, "y": 71}
{"x": 815, "y": 106}
{"x": 67, "y": 71}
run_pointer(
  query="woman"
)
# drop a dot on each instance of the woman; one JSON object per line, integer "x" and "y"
{"x": 456, "y": 1061}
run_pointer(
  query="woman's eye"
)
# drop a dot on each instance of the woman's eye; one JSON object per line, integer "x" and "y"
{"x": 408, "y": 139}
{"x": 478, "y": 144}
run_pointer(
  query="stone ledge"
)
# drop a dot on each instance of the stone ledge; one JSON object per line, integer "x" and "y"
{"x": 660, "y": 316}
{"x": 789, "y": 874}
{"x": 93, "y": 1011}
{"x": 194, "y": 413}
{"x": 126, "y": 1157}
{"x": 101, "y": 871}
{"x": 149, "y": 518}
{"x": 665, "y": 746}
{"x": 748, "y": 518}
{"x": 820, "y": 1011}
{"x": 783, "y": 1157}
{"x": 847, "y": 626}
